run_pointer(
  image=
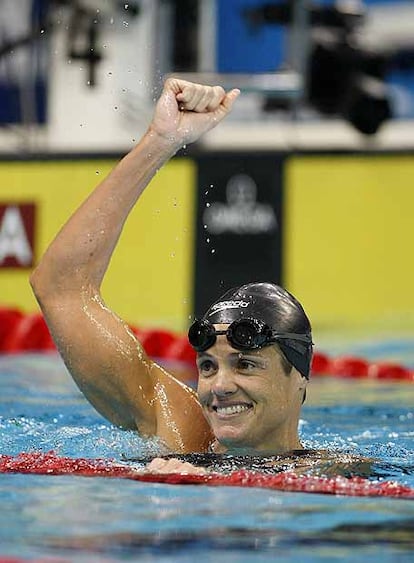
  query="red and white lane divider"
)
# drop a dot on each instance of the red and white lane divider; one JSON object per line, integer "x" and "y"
{"x": 20, "y": 333}
{"x": 37, "y": 463}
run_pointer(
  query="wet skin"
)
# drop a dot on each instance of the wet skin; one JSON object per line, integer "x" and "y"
{"x": 248, "y": 399}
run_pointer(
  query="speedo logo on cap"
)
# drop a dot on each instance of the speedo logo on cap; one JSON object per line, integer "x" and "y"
{"x": 222, "y": 305}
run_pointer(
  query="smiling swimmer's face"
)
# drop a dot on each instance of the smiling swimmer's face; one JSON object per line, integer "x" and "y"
{"x": 249, "y": 400}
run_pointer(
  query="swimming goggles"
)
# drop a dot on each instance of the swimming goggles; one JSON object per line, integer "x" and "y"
{"x": 242, "y": 334}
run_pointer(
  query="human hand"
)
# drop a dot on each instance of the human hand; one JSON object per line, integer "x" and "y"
{"x": 185, "y": 110}
{"x": 173, "y": 465}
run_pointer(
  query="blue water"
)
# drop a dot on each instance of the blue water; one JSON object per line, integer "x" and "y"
{"x": 105, "y": 520}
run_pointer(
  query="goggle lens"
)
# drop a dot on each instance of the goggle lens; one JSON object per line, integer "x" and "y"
{"x": 245, "y": 334}
{"x": 201, "y": 335}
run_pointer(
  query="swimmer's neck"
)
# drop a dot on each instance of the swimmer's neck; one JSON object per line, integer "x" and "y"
{"x": 218, "y": 448}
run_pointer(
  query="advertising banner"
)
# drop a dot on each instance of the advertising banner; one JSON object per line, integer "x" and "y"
{"x": 347, "y": 240}
{"x": 239, "y": 223}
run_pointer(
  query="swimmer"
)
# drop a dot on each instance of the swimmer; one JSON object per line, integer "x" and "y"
{"x": 254, "y": 344}
{"x": 254, "y": 350}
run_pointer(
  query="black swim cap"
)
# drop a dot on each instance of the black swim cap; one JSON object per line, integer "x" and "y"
{"x": 274, "y": 306}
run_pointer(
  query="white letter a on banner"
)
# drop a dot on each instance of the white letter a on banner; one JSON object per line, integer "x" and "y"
{"x": 13, "y": 238}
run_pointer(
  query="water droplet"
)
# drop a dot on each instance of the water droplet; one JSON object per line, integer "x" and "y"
{"x": 208, "y": 204}
{"x": 42, "y": 31}
{"x": 110, "y": 73}
{"x": 204, "y": 226}
{"x": 207, "y": 240}
{"x": 125, "y": 24}
{"x": 111, "y": 21}
{"x": 184, "y": 146}
{"x": 126, "y": 6}
{"x": 97, "y": 172}
{"x": 115, "y": 107}
{"x": 213, "y": 250}
{"x": 172, "y": 254}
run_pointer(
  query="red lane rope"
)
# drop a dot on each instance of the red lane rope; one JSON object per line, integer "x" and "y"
{"x": 20, "y": 333}
{"x": 360, "y": 368}
{"x": 37, "y": 463}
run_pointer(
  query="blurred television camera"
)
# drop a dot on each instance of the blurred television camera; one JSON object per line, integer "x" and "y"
{"x": 344, "y": 75}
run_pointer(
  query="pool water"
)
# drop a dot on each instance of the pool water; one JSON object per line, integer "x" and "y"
{"x": 73, "y": 518}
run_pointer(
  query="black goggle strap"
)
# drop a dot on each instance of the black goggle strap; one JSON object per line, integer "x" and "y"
{"x": 299, "y": 342}
{"x": 293, "y": 336}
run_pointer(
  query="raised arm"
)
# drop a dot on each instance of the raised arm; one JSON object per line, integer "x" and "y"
{"x": 101, "y": 353}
